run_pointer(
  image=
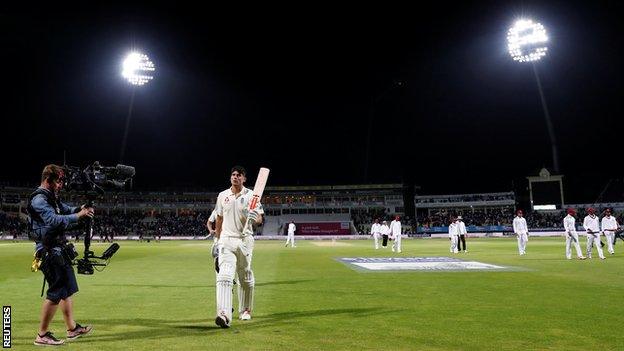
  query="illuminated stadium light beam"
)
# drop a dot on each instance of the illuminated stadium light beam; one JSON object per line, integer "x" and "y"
{"x": 137, "y": 68}
{"x": 526, "y": 41}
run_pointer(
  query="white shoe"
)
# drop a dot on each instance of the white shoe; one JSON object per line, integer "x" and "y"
{"x": 569, "y": 258}
{"x": 245, "y": 316}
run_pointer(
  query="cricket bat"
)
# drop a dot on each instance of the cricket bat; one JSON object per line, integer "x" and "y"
{"x": 261, "y": 180}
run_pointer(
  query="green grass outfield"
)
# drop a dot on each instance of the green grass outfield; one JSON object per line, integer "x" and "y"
{"x": 161, "y": 296}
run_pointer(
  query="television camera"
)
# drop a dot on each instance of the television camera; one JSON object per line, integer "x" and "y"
{"x": 93, "y": 182}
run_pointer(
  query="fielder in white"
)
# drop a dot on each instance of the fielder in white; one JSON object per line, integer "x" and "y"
{"x": 376, "y": 232}
{"x": 291, "y": 234}
{"x": 569, "y": 225}
{"x": 609, "y": 225}
{"x": 522, "y": 231}
{"x": 395, "y": 232}
{"x": 453, "y": 234}
{"x": 590, "y": 223}
{"x": 235, "y": 248}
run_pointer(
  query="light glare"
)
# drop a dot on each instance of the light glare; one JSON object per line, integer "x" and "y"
{"x": 137, "y": 68}
{"x": 526, "y": 41}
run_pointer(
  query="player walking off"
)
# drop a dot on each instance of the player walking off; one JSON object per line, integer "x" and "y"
{"x": 609, "y": 226}
{"x": 461, "y": 230}
{"x": 376, "y": 232}
{"x": 453, "y": 233}
{"x": 291, "y": 234}
{"x": 590, "y": 223}
{"x": 384, "y": 233}
{"x": 235, "y": 248}
{"x": 569, "y": 225}
{"x": 522, "y": 231}
{"x": 395, "y": 231}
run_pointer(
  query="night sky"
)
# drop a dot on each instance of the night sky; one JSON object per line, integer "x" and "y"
{"x": 293, "y": 88}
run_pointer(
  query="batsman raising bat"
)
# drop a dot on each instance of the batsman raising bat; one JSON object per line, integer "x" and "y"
{"x": 238, "y": 209}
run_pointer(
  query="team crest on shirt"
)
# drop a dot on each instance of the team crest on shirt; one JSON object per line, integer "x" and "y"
{"x": 227, "y": 199}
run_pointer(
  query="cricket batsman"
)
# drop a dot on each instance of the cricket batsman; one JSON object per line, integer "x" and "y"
{"x": 235, "y": 248}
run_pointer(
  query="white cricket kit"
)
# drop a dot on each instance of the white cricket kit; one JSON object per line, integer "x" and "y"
{"x": 461, "y": 228}
{"x": 569, "y": 225}
{"x": 395, "y": 231}
{"x": 609, "y": 225}
{"x": 522, "y": 231}
{"x": 376, "y": 233}
{"x": 590, "y": 223}
{"x": 235, "y": 251}
{"x": 291, "y": 234}
{"x": 453, "y": 235}
{"x": 213, "y": 219}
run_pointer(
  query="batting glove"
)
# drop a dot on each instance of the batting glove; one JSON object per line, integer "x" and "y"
{"x": 215, "y": 250}
{"x": 253, "y": 215}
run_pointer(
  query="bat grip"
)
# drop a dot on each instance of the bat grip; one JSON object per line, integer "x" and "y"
{"x": 246, "y": 227}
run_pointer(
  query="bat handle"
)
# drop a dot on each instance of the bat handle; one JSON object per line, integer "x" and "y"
{"x": 246, "y": 228}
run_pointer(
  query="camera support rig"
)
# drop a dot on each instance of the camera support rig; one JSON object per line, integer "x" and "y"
{"x": 87, "y": 262}
{"x": 91, "y": 182}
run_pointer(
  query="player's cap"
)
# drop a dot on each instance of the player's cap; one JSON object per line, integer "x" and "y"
{"x": 591, "y": 210}
{"x": 571, "y": 211}
{"x": 519, "y": 212}
{"x": 397, "y": 218}
{"x": 607, "y": 211}
{"x": 459, "y": 217}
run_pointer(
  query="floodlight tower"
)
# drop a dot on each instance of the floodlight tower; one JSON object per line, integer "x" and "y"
{"x": 138, "y": 70}
{"x": 527, "y": 42}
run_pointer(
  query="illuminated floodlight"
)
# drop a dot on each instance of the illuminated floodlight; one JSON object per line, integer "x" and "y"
{"x": 526, "y": 41}
{"x": 137, "y": 68}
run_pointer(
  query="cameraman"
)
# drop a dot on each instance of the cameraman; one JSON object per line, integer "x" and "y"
{"x": 49, "y": 218}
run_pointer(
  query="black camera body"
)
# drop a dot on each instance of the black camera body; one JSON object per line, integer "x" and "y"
{"x": 92, "y": 182}
{"x": 95, "y": 179}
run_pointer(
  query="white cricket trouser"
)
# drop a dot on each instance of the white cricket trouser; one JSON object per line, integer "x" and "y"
{"x": 376, "y": 238}
{"x": 572, "y": 238}
{"x": 396, "y": 246}
{"x": 522, "y": 242}
{"x": 290, "y": 238}
{"x": 454, "y": 243}
{"x": 235, "y": 258}
{"x": 594, "y": 239}
{"x": 610, "y": 237}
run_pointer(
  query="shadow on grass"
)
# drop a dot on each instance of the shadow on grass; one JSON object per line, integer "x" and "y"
{"x": 153, "y": 286}
{"x": 285, "y": 282}
{"x": 281, "y": 282}
{"x": 167, "y": 328}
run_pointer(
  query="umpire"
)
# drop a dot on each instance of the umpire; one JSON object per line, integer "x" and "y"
{"x": 49, "y": 218}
